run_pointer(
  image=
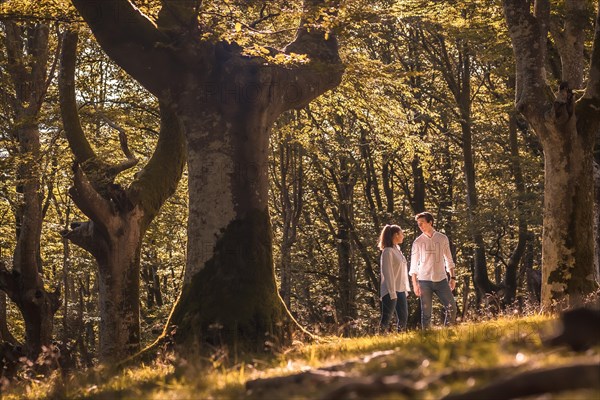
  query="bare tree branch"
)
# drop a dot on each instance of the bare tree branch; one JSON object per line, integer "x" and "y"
{"x": 68, "y": 106}
{"x": 132, "y": 41}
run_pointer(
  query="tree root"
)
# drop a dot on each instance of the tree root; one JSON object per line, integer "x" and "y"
{"x": 311, "y": 377}
{"x": 571, "y": 377}
{"x": 579, "y": 329}
{"x": 327, "y": 375}
{"x": 407, "y": 384}
{"x": 363, "y": 387}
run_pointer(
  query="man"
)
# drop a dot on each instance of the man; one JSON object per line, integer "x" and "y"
{"x": 430, "y": 260}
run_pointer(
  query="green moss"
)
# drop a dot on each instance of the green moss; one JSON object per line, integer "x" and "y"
{"x": 233, "y": 300}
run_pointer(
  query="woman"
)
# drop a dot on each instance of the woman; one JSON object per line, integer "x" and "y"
{"x": 394, "y": 278}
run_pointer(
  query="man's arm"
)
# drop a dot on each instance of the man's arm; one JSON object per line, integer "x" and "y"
{"x": 414, "y": 268}
{"x": 450, "y": 266}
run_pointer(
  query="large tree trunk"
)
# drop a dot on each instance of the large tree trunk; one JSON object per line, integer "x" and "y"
{"x": 227, "y": 102}
{"x": 567, "y": 132}
{"x": 230, "y": 291}
{"x": 567, "y": 243}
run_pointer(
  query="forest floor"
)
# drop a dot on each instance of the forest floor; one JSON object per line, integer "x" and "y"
{"x": 441, "y": 363}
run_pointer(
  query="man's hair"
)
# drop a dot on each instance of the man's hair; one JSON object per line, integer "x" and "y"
{"x": 427, "y": 215}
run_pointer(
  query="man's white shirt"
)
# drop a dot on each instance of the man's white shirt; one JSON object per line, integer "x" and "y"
{"x": 430, "y": 257}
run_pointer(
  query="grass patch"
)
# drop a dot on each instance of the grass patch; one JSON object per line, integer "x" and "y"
{"x": 460, "y": 357}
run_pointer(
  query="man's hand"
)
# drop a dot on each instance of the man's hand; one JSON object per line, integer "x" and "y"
{"x": 417, "y": 289}
{"x": 452, "y": 283}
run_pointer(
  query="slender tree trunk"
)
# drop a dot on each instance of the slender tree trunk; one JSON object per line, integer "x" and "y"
{"x": 291, "y": 171}
{"x": 36, "y": 307}
{"x": 418, "y": 201}
{"x": 346, "y": 309}
{"x": 597, "y": 208}
{"x": 510, "y": 277}
{"x": 156, "y": 285}
{"x": 27, "y": 54}
{"x": 5, "y": 334}
{"x": 285, "y": 266}
{"x": 371, "y": 186}
{"x": 146, "y": 274}
{"x": 447, "y": 200}
{"x": 481, "y": 278}
{"x": 387, "y": 182}
{"x": 67, "y": 293}
{"x": 346, "y": 271}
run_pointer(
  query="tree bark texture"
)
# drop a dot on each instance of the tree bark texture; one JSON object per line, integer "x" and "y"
{"x": 566, "y": 127}
{"x": 227, "y": 102}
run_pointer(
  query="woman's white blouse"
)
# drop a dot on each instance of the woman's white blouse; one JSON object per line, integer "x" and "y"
{"x": 394, "y": 272}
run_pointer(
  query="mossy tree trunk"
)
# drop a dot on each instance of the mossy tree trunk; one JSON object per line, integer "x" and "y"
{"x": 118, "y": 216}
{"x": 228, "y": 103}
{"x": 27, "y": 48}
{"x": 566, "y": 127}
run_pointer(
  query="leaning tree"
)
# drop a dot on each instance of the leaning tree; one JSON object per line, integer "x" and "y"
{"x": 118, "y": 217}
{"x": 566, "y": 123}
{"x": 227, "y": 99}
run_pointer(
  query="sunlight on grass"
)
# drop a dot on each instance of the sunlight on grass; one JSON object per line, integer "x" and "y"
{"x": 507, "y": 344}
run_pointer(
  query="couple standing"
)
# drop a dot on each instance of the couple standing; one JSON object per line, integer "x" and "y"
{"x": 430, "y": 260}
